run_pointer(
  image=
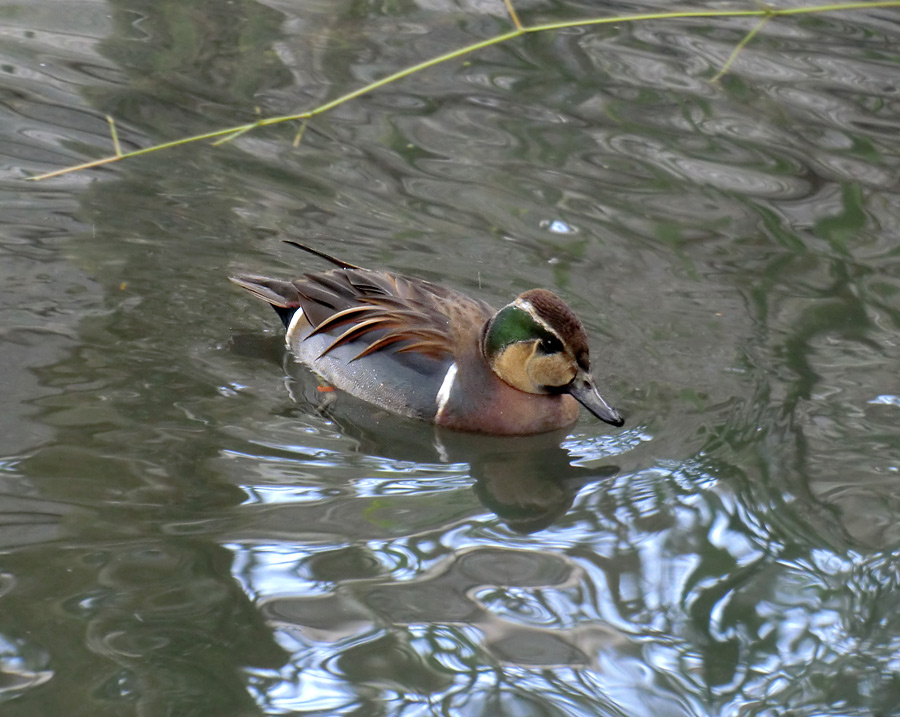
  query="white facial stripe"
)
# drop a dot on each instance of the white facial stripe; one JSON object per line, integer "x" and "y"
{"x": 528, "y": 307}
{"x": 525, "y": 304}
{"x": 443, "y": 394}
{"x": 295, "y": 320}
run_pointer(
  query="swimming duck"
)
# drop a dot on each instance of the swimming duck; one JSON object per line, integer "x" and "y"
{"x": 428, "y": 352}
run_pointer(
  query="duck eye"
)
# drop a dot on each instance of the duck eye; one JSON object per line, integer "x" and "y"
{"x": 551, "y": 345}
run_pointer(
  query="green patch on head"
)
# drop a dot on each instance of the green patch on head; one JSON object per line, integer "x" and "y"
{"x": 511, "y": 325}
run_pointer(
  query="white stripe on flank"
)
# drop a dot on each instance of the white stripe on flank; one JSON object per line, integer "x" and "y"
{"x": 289, "y": 334}
{"x": 443, "y": 394}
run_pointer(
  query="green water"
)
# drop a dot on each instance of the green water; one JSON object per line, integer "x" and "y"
{"x": 187, "y": 527}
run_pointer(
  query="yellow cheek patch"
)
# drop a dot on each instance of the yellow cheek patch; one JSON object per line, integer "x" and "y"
{"x": 553, "y": 370}
{"x": 523, "y": 367}
{"x": 511, "y": 365}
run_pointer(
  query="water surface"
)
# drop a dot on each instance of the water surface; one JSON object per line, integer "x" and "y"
{"x": 189, "y": 527}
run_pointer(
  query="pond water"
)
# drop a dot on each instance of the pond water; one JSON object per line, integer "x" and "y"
{"x": 190, "y": 528}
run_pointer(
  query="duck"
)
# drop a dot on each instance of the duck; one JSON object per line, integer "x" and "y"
{"x": 428, "y": 352}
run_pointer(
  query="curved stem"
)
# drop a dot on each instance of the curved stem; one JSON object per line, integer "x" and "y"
{"x": 737, "y": 50}
{"x": 223, "y": 136}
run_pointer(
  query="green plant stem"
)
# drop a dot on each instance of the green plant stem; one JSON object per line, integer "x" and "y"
{"x": 737, "y": 50}
{"x": 117, "y": 148}
{"x": 513, "y": 14}
{"x": 226, "y": 135}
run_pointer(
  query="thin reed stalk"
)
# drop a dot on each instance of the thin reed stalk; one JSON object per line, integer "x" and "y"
{"x": 222, "y": 136}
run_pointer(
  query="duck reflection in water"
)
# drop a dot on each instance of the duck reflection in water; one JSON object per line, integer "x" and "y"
{"x": 529, "y": 482}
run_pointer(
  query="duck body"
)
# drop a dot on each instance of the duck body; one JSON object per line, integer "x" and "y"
{"x": 422, "y": 350}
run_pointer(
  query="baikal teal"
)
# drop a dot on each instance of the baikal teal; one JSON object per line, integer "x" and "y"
{"x": 428, "y": 352}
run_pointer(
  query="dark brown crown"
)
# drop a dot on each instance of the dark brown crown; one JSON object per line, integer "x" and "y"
{"x": 553, "y": 310}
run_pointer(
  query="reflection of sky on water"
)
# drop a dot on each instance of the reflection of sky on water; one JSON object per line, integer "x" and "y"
{"x": 526, "y": 608}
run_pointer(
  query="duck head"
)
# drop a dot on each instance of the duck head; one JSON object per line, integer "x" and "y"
{"x": 536, "y": 344}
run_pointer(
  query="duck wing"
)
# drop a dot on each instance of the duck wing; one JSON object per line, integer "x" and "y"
{"x": 379, "y": 310}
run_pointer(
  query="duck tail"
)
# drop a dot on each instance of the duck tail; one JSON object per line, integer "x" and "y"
{"x": 281, "y": 295}
{"x": 323, "y": 255}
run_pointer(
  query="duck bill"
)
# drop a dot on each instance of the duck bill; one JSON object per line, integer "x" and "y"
{"x": 585, "y": 392}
